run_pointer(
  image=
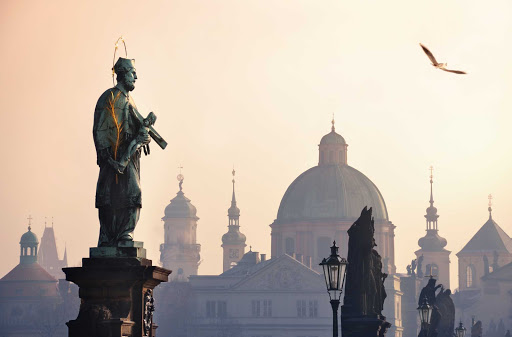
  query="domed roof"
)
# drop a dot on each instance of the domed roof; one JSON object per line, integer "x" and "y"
{"x": 332, "y": 138}
{"x": 180, "y": 207}
{"x": 233, "y": 236}
{"x": 336, "y": 192}
{"x": 432, "y": 241}
{"x": 29, "y": 237}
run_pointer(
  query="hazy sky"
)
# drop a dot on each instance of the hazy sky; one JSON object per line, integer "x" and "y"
{"x": 254, "y": 84}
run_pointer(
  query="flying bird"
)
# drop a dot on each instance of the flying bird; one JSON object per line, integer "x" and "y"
{"x": 438, "y": 65}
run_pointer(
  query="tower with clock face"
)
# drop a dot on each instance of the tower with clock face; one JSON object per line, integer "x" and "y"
{"x": 233, "y": 242}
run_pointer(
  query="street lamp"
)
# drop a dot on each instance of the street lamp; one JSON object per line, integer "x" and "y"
{"x": 460, "y": 331}
{"x": 425, "y": 311}
{"x": 335, "y": 268}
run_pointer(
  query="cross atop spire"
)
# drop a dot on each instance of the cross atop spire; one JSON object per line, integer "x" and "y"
{"x": 490, "y": 206}
{"x": 431, "y": 182}
{"x": 332, "y": 122}
{"x": 29, "y": 222}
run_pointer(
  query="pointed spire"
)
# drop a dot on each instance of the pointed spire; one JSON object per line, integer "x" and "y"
{"x": 431, "y": 182}
{"x": 233, "y": 211}
{"x": 490, "y": 206}
{"x": 431, "y": 215}
{"x": 233, "y": 198}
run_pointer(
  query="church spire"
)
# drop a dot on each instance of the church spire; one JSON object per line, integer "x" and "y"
{"x": 233, "y": 211}
{"x": 431, "y": 215}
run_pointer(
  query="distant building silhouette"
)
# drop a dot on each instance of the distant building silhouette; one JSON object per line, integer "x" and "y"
{"x": 180, "y": 250}
{"x": 29, "y": 296}
{"x": 48, "y": 256}
{"x": 233, "y": 242}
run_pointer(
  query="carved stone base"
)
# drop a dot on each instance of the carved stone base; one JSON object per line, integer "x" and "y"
{"x": 364, "y": 326}
{"x": 116, "y": 294}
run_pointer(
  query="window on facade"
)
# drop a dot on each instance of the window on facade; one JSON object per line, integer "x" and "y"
{"x": 301, "y": 308}
{"x": 289, "y": 246}
{"x": 256, "y": 312}
{"x": 267, "y": 308}
{"x": 210, "y": 309}
{"x": 313, "y": 308}
{"x": 222, "y": 309}
{"x": 435, "y": 270}
{"x": 470, "y": 276}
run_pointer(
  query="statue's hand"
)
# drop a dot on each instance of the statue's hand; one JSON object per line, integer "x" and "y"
{"x": 116, "y": 166}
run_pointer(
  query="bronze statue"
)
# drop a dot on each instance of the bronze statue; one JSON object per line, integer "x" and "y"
{"x": 120, "y": 133}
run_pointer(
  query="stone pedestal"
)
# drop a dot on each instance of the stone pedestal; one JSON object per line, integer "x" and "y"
{"x": 364, "y": 326}
{"x": 116, "y": 291}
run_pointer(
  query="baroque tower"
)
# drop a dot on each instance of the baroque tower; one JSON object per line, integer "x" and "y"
{"x": 180, "y": 251}
{"x": 233, "y": 242}
{"x": 436, "y": 259}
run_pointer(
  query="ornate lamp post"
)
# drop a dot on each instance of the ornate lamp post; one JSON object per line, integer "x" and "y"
{"x": 460, "y": 331}
{"x": 425, "y": 311}
{"x": 335, "y": 268}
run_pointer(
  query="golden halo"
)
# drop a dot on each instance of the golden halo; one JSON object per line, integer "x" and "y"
{"x": 114, "y": 59}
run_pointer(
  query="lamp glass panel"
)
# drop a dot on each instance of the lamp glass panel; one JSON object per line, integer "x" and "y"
{"x": 333, "y": 277}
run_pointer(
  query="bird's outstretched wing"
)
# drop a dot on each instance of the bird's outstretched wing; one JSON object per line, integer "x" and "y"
{"x": 454, "y": 71}
{"x": 429, "y": 54}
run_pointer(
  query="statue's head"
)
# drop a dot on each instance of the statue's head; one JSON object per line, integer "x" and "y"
{"x": 126, "y": 74}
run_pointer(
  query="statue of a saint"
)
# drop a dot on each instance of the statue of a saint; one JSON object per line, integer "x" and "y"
{"x": 119, "y": 137}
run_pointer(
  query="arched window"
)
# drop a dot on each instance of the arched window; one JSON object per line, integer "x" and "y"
{"x": 435, "y": 270}
{"x": 470, "y": 276}
{"x": 323, "y": 247}
{"x": 289, "y": 245}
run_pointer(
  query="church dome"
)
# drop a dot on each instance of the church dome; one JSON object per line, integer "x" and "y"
{"x": 332, "y": 138}
{"x": 180, "y": 207}
{"x": 29, "y": 238}
{"x": 333, "y": 191}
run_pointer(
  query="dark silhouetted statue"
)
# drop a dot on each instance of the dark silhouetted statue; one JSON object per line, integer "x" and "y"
{"x": 364, "y": 287}
{"x": 419, "y": 268}
{"x": 486, "y": 265}
{"x": 476, "y": 329}
{"x": 442, "y": 322}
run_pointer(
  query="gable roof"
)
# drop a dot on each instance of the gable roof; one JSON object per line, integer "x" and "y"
{"x": 490, "y": 237}
{"x": 28, "y": 272}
